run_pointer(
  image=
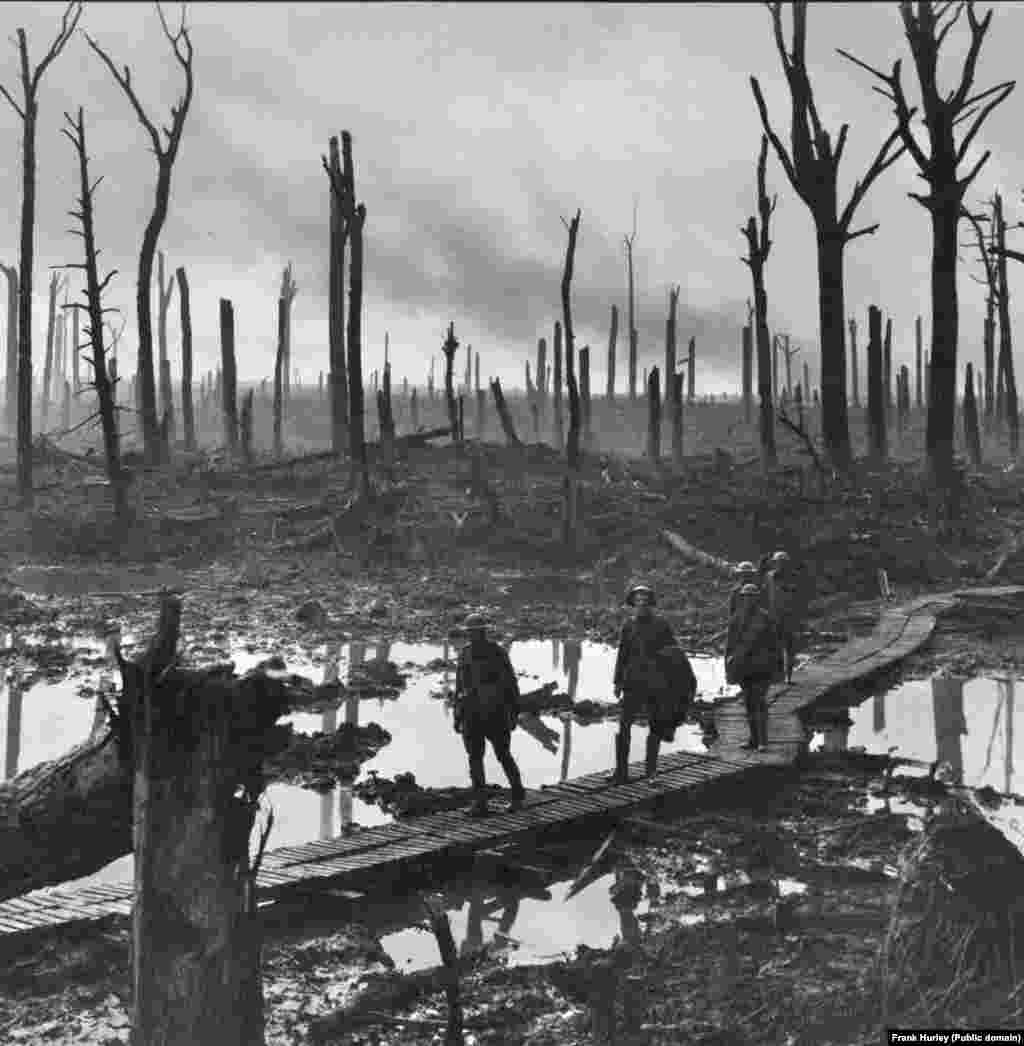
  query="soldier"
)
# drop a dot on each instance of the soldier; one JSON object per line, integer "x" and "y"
{"x": 752, "y": 659}
{"x": 745, "y": 573}
{"x": 638, "y": 676}
{"x": 782, "y": 598}
{"x": 486, "y": 709}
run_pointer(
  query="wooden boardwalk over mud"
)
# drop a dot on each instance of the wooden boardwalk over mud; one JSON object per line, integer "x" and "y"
{"x": 381, "y": 854}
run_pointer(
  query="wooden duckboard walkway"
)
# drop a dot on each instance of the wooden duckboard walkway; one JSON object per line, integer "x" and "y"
{"x": 384, "y": 851}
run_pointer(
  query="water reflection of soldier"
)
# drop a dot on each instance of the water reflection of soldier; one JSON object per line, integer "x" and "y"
{"x": 480, "y": 908}
{"x": 571, "y": 658}
{"x": 950, "y": 724}
{"x": 486, "y": 709}
{"x": 638, "y": 677}
{"x": 626, "y": 891}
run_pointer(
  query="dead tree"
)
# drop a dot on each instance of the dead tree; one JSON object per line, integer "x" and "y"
{"x": 430, "y": 381}
{"x": 807, "y": 382}
{"x": 1005, "y": 335}
{"x": 776, "y": 340}
{"x": 748, "y": 370}
{"x": 789, "y": 352}
{"x": 199, "y": 739}
{"x": 572, "y": 446}
{"x": 507, "y": 425}
{"x": 556, "y": 392}
{"x": 467, "y": 379}
{"x": 991, "y": 282}
{"x": 279, "y": 364}
{"x": 449, "y": 348}
{"x": 812, "y": 166}
{"x": 943, "y": 112}
{"x": 75, "y": 383}
{"x": 613, "y": 335}
{"x": 918, "y": 351}
{"x": 676, "y": 381}
{"x": 166, "y": 152}
{"x": 854, "y": 376}
{"x": 187, "y": 409}
{"x": 28, "y": 110}
{"x": 653, "y": 416}
{"x": 339, "y": 209}
{"x": 588, "y": 433}
{"x": 759, "y": 245}
{"x": 94, "y": 288}
{"x": 245, "y": 426}
{"x": 628, "y": 241}
{"x": 229, "y": 390}
{"x": 972, "y": 433}
{"x": 11, "y": 391}
{"x": 386, "y": 420}
{"x": 670, "y": 340}
{"x": 289, "y": 288}
{"x": 51, "y": 327}
{"x": 165, "y": 291}
{"x": 877, "y": 441}
{"x": 542, "y": 370}
{"x": 414, "y": 410}
{"x": 691, "y": 374}
{"x": 887, "y": 363}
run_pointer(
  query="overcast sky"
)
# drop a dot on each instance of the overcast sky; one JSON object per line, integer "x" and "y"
{"x": 476, "y": 129}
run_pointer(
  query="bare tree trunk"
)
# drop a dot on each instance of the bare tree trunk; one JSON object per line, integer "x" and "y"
{"x": 972, "y": 433}
{"x": 199, "y": 743}
{"x": 989, "y": 343}
{"x": 918, "y": 353}
{"x": 336, "y": 308}
{"x": 481, "y": 401}
{"x": 748, "y": 371}
{"x": 414, "y": 410}
{"x": 75, "y": 382}
{"x": 451, "y": 344}
{"x": 887, "y": 364}
{"x": 51, "y": 322}
{"x": 670, "y": 341}
{"x": 677, "y": 417}
{"x": 289, "y": 288}
{"x": 945, "y": 330}
{"x": 542, "y": 370}
{"x": 187, "y": 409}
{"x": 854, "y": 376}
{"x": 570, "y": 519}
{"x": 691, "y": 377}
{"x": 807, "y": 383}
{"x": 832, "y": 312}
{"x": 653, "y": 416}
{"x": 11, "y": 389}
{"x": 632, "y": 320}
{"x": 165, "y": 291}
{"x": 877, "y": 441}
{"x": 229, "y": 391}
{"x": 613, "y": 335}
{"x": 282, "y": 321}
{"x": 503, "y": 414}
{"x": 1005, "y": 335}
{"x": 245, "y": 426}
{"x": 557, "y": 391}
{"x": 27, "y": 260}
{"x": 357, "y": 432}
{"x": 588, "y": 434}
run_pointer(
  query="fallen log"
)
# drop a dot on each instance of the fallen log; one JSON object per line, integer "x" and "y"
{"x": 696, "y": 555}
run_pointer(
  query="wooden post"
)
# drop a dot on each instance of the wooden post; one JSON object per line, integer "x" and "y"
{"x": 653, "y": 416}
{"x": 748, "y": 371}
{"x": 228, "y": 388}
{"x": 187, "y": 409}
{"x": 876, "y": 391}
{"x": 613, "y": 335}
{"x": 691, "y": 373}
{"x": 198, "y": 742}
{"x": 279, "y": 361}
{"x": 854, "y": 376}
{"x": 676, "y": 381}
{"x": 503, "y": 413}
{"x": 556, "y": 397}
{"x": 972, "y": 433}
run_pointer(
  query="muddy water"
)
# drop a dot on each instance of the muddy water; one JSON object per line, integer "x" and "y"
{"x": 43, "y": 721}
{"x": 972, "y": 724}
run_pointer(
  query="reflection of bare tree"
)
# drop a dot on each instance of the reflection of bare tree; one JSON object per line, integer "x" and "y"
{"x": 554, "y": 654}
{"x": 572, "y": 652}
{"x": 327, "y": 815}
{"x": 566, "y": 746}
{"x": 950, "y": 725}
{"x": 383, "y": 651}
{"x": 345, "y": 806}
{"x": 15, "y": 694}
{"x": 1010, "y": 698}
{"x": 878, "y": 710}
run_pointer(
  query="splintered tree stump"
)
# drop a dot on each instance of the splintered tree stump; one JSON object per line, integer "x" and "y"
{"x": 507, "y": 424}
{"x": 198, "y": 743}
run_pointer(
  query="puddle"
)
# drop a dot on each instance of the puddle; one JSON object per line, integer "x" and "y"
{"x": 967, "y": 723}
{"x": 42, "y": 721}
{"x": 525, "y": 930}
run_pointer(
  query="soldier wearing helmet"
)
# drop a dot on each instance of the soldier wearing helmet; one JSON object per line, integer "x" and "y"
{"x": 486, "y": 709}
{"x": 744, "y": 573}
{"x": 637, "y": 675}
{"x": 783, "y": 601}
{"x": 752, "y": 658}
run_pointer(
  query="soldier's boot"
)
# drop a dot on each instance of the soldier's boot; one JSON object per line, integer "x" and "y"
{"x": 653, "y": 747}
{"x": 621, "y": 775}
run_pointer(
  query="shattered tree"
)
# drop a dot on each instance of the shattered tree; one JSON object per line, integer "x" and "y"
{"x": 812, "y": 166}
{"x": 570, "y": 518}
{"x": 187, "y": 409}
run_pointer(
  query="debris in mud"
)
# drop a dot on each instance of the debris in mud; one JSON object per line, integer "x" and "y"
{"x": 403, "y": 797}
{"x": 319, "y": 761}
{"x": 312, "y": 613}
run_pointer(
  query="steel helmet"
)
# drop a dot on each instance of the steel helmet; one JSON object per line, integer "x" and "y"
{"x": 475, "y": 621}
{"x": 780, "y": 557}
{"x": 632, "y": 593}
{"x": 750, "y": 590}
{"x": 745, "y": 569}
